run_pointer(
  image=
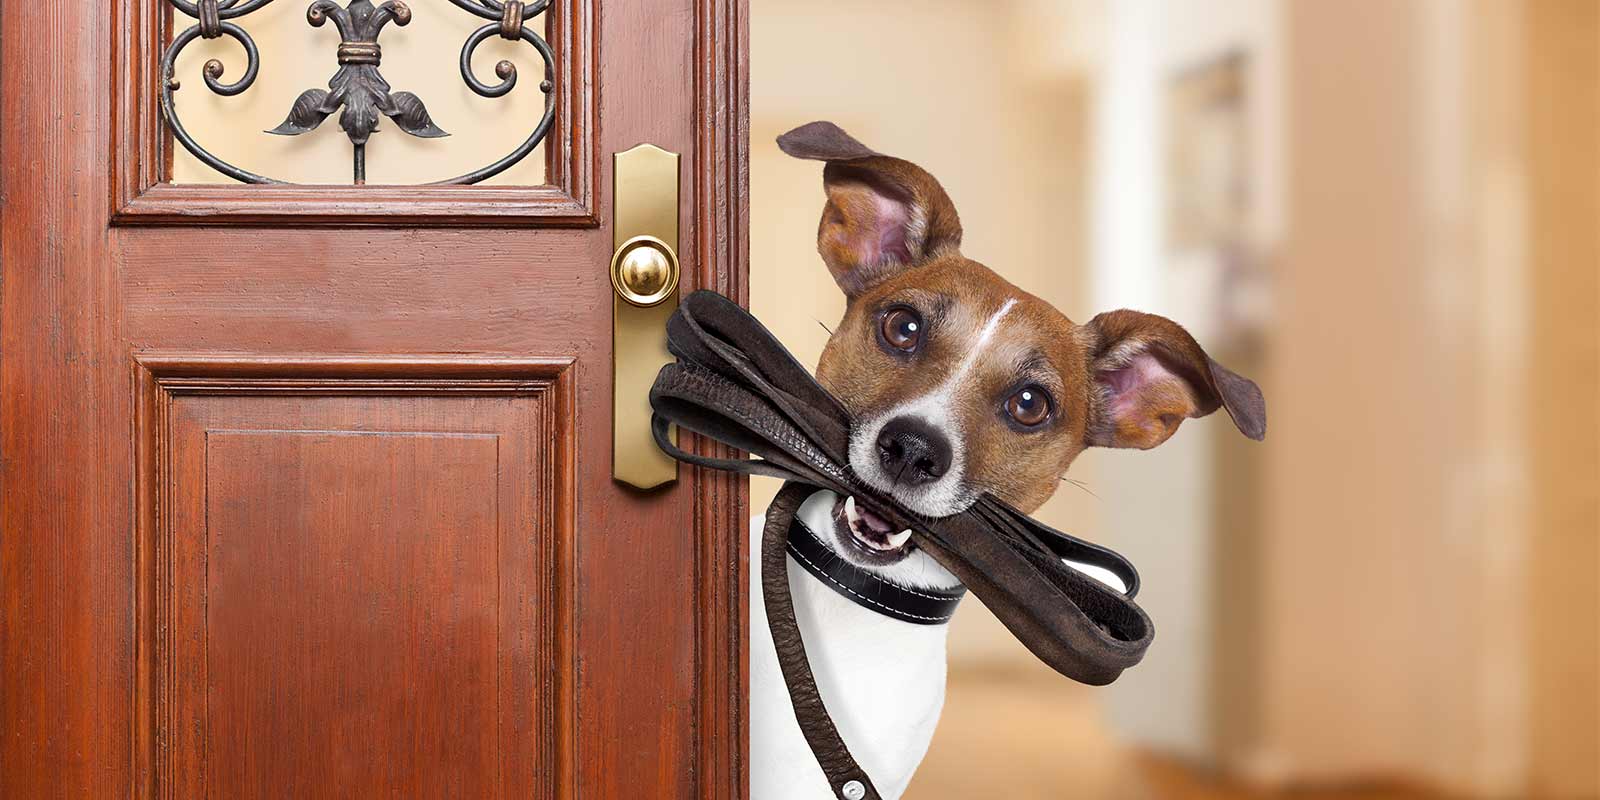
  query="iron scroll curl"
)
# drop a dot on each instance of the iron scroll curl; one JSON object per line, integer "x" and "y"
{"x": 358, "y": 90}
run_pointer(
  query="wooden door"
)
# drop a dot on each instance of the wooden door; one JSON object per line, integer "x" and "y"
{"x": 307, "y": 488}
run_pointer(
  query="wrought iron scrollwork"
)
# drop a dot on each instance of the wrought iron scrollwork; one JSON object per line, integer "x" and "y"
{"x": 357, "y": 87}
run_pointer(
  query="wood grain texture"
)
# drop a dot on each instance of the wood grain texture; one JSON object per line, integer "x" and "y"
{"x": 66, "y": 566}
{"x": 141, "y": 191}
{"x": 336, "y": 572}
{"x": 720, "y": 235}
{"x": 644, "y": 543}
{"x": 357, "y": 577}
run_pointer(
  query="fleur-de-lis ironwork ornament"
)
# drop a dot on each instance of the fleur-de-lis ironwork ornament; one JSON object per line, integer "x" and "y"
{"x": 357, "y": 86}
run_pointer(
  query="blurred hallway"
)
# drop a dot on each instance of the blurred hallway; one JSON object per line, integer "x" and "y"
{"x": 1386, "y": 213}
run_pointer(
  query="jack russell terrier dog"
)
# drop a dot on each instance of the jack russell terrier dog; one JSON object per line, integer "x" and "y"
{"x": 962, "y": 384}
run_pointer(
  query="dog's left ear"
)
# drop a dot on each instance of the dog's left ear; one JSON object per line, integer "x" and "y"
{"x": 1150, "y": 375}
{"x": 883, "y": 214}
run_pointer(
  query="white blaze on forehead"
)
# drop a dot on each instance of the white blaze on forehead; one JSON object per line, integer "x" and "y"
{"x": 985, "y": 335}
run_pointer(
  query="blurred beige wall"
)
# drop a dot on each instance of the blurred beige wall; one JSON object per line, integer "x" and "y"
{"x": 1374, "y": 571}
{"x": 981, "y": 96}
{"x": 1562, "y": 382}
{"x": 1431, "y": 574}
{"x": 420, "y": 58}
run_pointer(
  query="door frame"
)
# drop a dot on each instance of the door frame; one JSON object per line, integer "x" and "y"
{"x": 721, "y": 507}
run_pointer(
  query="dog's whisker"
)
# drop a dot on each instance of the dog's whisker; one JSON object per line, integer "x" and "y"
{"x": 824, "y": 326}
{"x": 1080, "y": 485}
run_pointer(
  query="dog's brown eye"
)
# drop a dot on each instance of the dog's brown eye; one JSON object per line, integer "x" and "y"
{"x": 1029, "y": 406}
{"x": 902, "y": 329}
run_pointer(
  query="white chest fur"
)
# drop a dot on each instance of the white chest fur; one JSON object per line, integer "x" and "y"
{"x": 883, "y": 682}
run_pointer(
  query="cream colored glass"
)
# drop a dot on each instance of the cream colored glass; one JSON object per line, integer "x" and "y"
{"x": 421, "y": 58}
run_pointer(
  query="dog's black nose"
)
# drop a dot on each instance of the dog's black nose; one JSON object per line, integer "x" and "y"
{"x": 912, "y": 451}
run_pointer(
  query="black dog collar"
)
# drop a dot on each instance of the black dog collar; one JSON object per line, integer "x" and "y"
{"x": 866, "y": 589}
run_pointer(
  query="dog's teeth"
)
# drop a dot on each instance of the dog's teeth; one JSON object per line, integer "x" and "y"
{"x": 868, "y": 535}
{"x": 898, "y": 539}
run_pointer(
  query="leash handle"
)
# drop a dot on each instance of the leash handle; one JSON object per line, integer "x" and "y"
{"x": 846, "y": 778}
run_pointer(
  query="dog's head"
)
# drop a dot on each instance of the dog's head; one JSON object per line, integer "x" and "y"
{"x": 961, "y": 383}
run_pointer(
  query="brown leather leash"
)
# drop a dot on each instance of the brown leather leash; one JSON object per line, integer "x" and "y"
{"x": 735, "y": 383}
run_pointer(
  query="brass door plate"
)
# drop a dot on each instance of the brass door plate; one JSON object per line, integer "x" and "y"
{"x": 644, "y": 275}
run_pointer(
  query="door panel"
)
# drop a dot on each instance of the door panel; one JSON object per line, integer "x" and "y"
{"x": 293, "y": 473}
{"x": 338, "y": 573}
{"x": 360, "y": 578}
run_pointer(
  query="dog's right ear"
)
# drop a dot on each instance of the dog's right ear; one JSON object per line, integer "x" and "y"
{"x": 1151, "y": 375}
{"x": 883, "y": 214}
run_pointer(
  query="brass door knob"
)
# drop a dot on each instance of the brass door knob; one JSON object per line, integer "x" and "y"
{"x": 644, "y": 271}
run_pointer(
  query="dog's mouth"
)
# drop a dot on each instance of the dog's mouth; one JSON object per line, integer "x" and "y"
{"x": 869, "y": 535}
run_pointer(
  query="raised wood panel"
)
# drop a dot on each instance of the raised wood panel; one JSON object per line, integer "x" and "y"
{"x": 346, "y": 591}
{"x": 357, "y": 578}
{"x": 142, "y": 147}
